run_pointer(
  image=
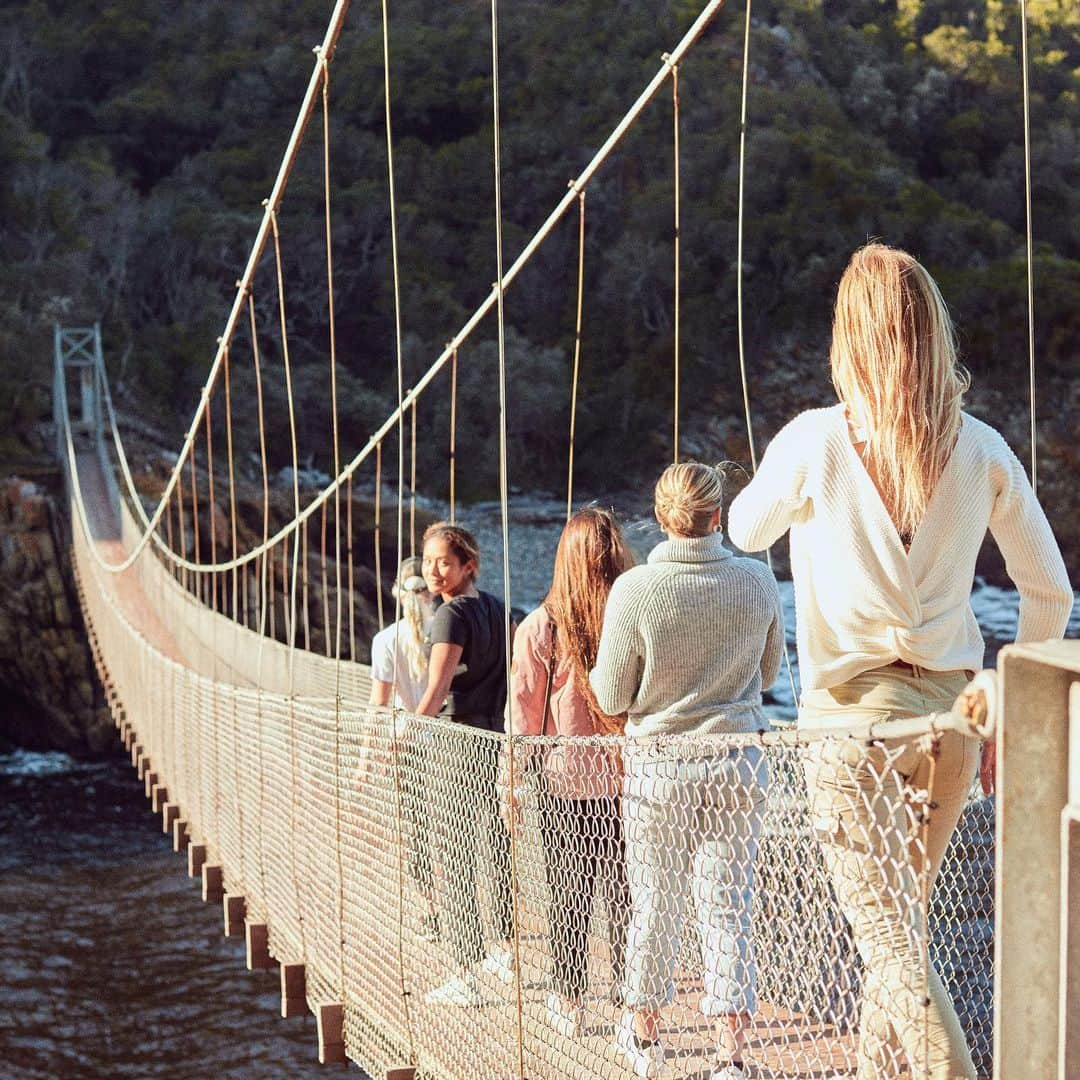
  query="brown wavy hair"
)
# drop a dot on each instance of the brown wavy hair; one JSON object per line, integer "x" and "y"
{"x": 591, "y": 555}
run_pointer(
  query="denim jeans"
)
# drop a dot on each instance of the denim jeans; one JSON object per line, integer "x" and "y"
{"x": 691, "y": 828}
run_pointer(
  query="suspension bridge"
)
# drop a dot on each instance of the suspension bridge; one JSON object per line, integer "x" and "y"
{"x": 297, "y": 803}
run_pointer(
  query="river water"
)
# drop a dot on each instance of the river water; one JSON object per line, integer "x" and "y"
{"x": 112, "y": 965}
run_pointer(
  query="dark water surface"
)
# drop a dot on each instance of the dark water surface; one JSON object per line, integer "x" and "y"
{"x": 112, "y": 964}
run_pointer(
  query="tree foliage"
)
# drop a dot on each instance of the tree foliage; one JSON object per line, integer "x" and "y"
{"x": 137, "y": 142}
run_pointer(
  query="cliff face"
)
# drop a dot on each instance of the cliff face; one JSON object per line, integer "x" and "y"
{"x": 51, "y": 697}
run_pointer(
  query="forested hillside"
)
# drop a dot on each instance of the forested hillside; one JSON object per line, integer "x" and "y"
{"x": 137, "y": 141}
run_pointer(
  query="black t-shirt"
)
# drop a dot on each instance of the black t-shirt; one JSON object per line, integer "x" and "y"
{"x": 478, "y": 624}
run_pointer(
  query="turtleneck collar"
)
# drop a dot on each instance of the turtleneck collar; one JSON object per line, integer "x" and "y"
{"x": 692, "y": 549}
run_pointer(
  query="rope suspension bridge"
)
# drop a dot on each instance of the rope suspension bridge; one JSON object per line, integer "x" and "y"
{"x": 326, "y": 826}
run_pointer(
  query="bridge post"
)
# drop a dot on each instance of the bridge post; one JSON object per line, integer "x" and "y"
{"x": 180, "y": 837}
{"x": 257, "y": 946}
{"x": 196, "y": 856}
{"x": 159, "y": 796}
{"x": 293, "y": 990}
{"x": 1070, "y": 902}
{"x": 169, "y": 813}
{"x": 1032, "y": 935}
{"x": 330, "y": 1022}
{"x": 149, "y": 781}
{"x": 234, "y": 909}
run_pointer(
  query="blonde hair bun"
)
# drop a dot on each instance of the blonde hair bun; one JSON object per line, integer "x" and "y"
{"x": 686, "y": 497}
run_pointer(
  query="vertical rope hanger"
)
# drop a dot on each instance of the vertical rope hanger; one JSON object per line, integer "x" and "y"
{"x": 232, "y": 487}
{"x": 677, "y": 199}
{"x": 739, "y": 299}
{"x": 577, "y": 351}
{"x": 1030, "y": 243}
{"x": 211, "y": 507}
{"x": 412, "y": 482}
{"x": 296, "y": 546}
{"x": 332, "y": 326}
{"x": 453, "y": 430}
{"x": 377, "y": 529}
{"x": 336, "y": 645}
{"x": 504, "y": 507}
{"x": 195, "y": 518}
{"x": 394, "y": 743}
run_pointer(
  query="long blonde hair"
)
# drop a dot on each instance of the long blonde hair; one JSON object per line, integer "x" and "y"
{"x": 413, "y": 594}
{"x": 590, "y": 556}
{"x": 686, "y": 497}
{"x": 894, "y": 365}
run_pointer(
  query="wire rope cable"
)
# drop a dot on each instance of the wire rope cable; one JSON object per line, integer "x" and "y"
{"x": 1029, "y": 240}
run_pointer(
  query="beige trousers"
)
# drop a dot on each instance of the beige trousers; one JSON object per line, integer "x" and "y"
{"x": 884, "y": 814}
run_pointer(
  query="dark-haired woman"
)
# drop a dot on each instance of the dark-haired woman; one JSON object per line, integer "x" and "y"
{"x": 467, "y": 684}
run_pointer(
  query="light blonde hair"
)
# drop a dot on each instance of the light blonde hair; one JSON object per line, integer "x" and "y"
{"x": 460, "y": 541}
{"x": 413, "y": 594}
{"x": 591, "y": 555}
{"x": 686, "y": 497}
{"x": 894, "y": 365}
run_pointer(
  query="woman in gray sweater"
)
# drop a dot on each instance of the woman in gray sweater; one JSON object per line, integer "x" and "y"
{"x": 689, "y": 642}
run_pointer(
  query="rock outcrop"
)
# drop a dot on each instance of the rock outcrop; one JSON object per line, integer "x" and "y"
{"x": 52, "y": 697}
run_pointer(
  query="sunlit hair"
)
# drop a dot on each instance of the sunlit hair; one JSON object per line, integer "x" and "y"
{"x": 894, "y": 366}
{"x": 412, "y": 592}
{"x": 460, "y": 541}
{"x": 686, "y": 497}
{"x": 590, "y": 556}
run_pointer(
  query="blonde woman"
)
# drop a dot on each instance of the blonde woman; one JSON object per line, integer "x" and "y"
{"x": 399, "y": 657}
{"x": 689, "y": 642}
{"x": 554, "y": 649}
{"x": 888, "y": 496}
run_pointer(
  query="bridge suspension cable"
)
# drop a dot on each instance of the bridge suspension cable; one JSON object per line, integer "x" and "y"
{"x": 707, "y": 14}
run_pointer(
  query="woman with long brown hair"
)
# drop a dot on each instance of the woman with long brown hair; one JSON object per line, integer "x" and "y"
{"x": 554, "y": 650}
{"x": 888, "y": 495}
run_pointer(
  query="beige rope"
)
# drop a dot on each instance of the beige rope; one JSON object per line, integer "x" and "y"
{"x": 349, "y": 541}
{"x": 577, "y": 352}
{"x": 327, "y": 640}
{"x": 504, "y": 492}
{"x": 453, "y": 430}
{"x": 232, "y": 490}
{"x": 741, "y": 218}
{"x": 412, "y": 484}
{"x": 195, "y": 519}
{"x": 395, "y": 748}
{"x": 1030, "y": 248}
{"x": 213, "y": 582}
{"x": 677, "y": 200}
{"x": 292, "y": 439}
{"x": 378, "y": 535}
{"x": 688, "y": 40}
{"x": 304, "y": 575}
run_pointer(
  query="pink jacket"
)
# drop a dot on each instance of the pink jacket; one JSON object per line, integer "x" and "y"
{"x": 589, "y": 771}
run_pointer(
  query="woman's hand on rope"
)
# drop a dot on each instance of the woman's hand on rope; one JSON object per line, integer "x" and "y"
{"x": 988, "y": 767}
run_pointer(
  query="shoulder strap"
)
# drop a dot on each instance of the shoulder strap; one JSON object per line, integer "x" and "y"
{"x": 550, "y": 679}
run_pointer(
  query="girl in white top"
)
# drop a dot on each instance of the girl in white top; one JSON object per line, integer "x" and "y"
{"x": 398, "y": 656}
{"x": 888, "y": 496}
{"x": 405, "y": 638}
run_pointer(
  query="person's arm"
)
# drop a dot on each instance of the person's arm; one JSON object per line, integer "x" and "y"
{"x": 774, "y": 642}
{"x": 764, "y": 510}
{"x": 619, "y": 657}
{"x": 528, "y": 681}
{"x": 1032, "y": 558}
{"x": 380, "y": 692}
{"x": 445, "y": 658}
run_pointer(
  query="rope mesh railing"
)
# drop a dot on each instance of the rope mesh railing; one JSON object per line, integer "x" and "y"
{"x": 695, "y": 858}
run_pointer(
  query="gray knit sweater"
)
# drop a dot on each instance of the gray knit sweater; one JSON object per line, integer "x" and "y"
{"x": 690, "y": 640}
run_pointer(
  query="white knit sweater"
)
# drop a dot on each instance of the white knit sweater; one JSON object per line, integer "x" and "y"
{"x": 862, "y": 601}
{"x": 690, "y": 641}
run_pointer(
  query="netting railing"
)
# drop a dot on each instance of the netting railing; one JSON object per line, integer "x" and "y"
{"x": 693, "y": 876}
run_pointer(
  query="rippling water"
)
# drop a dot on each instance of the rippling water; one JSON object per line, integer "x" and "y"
{"x": 113, "y": 967}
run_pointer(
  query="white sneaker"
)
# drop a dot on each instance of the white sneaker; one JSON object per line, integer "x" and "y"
{"x": 460, "y": 990}
{"x": 728, "y": 1072}
{"x": 644, "y": 1059}
{"x": 500, "y": 963}
{"x": 566, "y": 1019}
